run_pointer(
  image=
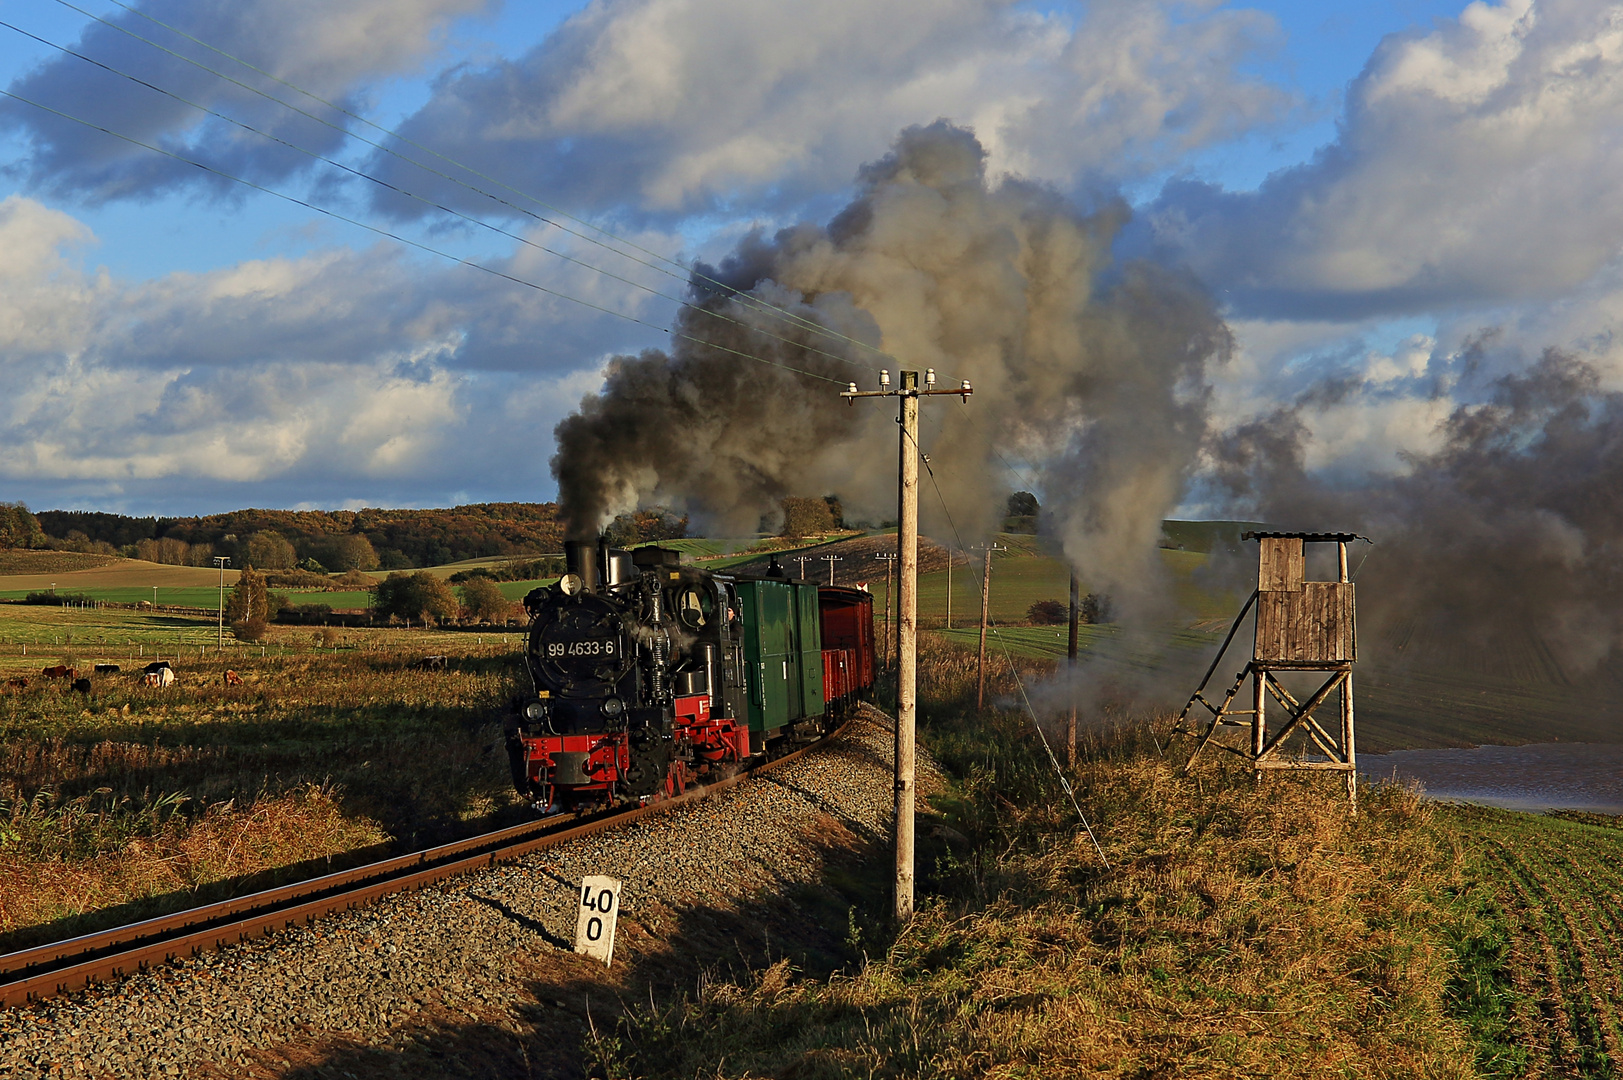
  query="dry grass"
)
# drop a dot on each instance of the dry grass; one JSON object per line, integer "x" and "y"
{"x": 137, "y": 796}
{"x": 161, "y": 853}
{"x": 1239, "y": 930}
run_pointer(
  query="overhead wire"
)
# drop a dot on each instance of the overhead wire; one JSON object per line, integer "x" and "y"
{"x": 314, "y": 155}
{"x": 687, "y": 273}
{"x": 1064, "y": 781}
{"x": 408, "y": 241}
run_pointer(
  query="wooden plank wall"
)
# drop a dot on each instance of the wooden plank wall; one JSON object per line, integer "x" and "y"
{"x": 1313, "y": 623}
{"x": 1279, "y": 564}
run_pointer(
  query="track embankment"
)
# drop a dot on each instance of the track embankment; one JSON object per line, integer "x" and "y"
{"x": 474, "y": 975}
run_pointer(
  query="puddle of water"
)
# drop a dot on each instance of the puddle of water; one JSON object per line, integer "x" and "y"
{"x": 1536, "y": 777}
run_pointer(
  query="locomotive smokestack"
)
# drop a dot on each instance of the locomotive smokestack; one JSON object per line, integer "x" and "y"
{"x": 580, "y": 559}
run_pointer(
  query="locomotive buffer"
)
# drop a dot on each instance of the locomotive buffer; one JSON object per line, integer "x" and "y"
{"x": 907, "y": 546}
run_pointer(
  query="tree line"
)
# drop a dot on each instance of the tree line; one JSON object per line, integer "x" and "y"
{"x": 332, "y": 540}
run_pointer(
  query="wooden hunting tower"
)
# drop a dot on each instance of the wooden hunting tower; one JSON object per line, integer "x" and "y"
{"x": 1305, "y": 626}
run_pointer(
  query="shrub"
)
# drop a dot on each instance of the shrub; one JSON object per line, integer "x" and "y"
{"x": 1049, "y": 613}
{"x": 354, "y": 579}
{"x": 249, "y": 629}
{"x": 55, "y": 598}
{"x": 298, "y": 579}
{"x": 1097, "y": 608}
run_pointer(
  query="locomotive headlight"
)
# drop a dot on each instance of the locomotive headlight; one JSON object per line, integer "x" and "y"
{"x": 571, "y": 585}
{"x": 534, "y": 711}
{"x": 613, "y": 707}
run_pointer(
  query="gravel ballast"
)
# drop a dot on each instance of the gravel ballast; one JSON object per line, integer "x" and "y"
{"x": 487, "y": 955}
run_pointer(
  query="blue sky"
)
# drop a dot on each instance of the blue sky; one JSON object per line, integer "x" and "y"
{"x": 1349, "y": 181}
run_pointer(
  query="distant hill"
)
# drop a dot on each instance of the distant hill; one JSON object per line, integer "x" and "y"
{"x": 401, "y": 538}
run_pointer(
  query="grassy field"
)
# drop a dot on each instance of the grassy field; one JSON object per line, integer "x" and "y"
{"x": 1221, "y": 928}
{"x": 127, "y": 800}
{"x": 1542, "y": 976}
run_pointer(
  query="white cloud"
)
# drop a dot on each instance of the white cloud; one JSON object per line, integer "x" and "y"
{"x": 1479, "y": 163}
{"x": 320, "y": 377}
{"x": 681, "y": 105}
{"x": 332, "y": 48}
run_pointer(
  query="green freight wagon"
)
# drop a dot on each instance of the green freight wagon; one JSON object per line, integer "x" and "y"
{"x": 783, "y": 661}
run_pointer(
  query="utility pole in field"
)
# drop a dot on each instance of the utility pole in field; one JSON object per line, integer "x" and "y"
{"x": 222, "y": 562}
{"x": 951, "y": 555}
{"x": 801, "y": 559}
{"x": 831, "y": 560}
{"x": 1070, "y": 652}
{"x": 889, "y": 559}
{"x": 986, "y": 607}
{"x": 907, "y": 551}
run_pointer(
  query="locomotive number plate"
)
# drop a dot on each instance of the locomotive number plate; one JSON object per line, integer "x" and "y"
{"x": 562, "y": 649}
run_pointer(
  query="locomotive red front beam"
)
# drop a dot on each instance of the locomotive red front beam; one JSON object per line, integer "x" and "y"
{"x": 713, "y": 740}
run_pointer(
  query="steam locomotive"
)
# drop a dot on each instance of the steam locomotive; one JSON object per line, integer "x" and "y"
{"x": 647, "y": 675}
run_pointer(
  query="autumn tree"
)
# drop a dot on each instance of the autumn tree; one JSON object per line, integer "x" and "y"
{"x": 806, "y": 517}
{"x": 353, "y": 552}
{"x": 269, "y": 550}
{"x": 413, "y": 596}
{"x": 19, "y": 528}
{"x": 483, "y": 599}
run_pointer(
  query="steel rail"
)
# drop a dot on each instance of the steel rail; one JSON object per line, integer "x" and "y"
{"x": 63, "y": 966}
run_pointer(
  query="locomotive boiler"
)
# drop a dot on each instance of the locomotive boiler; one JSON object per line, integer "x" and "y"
{"x": 647, "y": 675}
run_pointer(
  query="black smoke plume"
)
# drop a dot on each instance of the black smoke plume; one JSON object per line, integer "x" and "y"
{"x": 1089, "y": 377}
{"x": 1499, "y": 548}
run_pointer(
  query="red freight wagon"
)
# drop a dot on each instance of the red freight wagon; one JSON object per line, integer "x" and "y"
{"x": 848, "y": 640}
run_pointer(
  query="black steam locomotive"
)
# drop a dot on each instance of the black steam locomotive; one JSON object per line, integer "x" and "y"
{"x": 647, "y": 675}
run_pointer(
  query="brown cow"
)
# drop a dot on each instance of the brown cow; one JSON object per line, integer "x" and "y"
{"x": 233, "y": 679}
{"x": 60, "y": 671}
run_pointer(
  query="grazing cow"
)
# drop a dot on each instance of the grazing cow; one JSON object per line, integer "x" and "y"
{"x": 17, "y": 683}
{"x": 60, "y": 671}
{"x": 433, "y": 663}
{"x": 156, "y": 665}
{"x": 106, "y": 669}
{"x": 82, "y": 685}
{"x": 164, "y": 676}
{"x": 233, "y": 679}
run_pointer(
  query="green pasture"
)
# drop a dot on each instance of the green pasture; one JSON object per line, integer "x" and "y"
{"x": 182, "y": 596}
{"x": 31, "y": 636}
{"x": 1022, "y": 579}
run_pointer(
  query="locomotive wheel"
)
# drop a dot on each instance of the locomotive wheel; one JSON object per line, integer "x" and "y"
{"x": 650, "y": 762}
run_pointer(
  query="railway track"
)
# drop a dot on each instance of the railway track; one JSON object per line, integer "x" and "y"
{"x": 64, "y": 966}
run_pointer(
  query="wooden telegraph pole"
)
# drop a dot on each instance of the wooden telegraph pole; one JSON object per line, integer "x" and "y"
{"x": 889, "y": 559}
{"x": 831, "y": 560}
{"x": 986, "y": 607}
{"x": 1070, "y": 653}
{"x": 907, "y": 538}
